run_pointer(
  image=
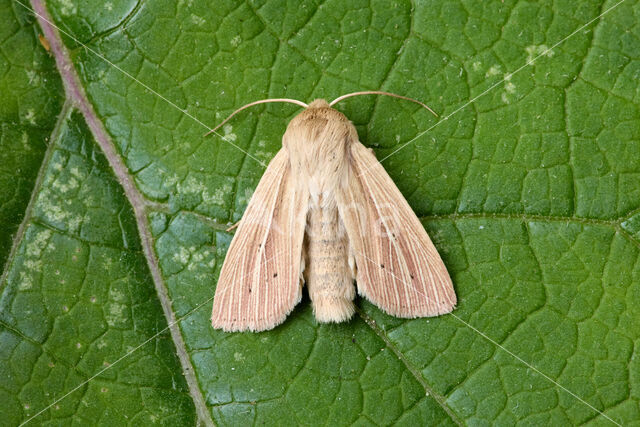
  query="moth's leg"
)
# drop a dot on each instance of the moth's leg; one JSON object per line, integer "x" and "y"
{"x": 233, "y": 226}
{"x": 352, "y": 262}
{"x": 302, "y": 264}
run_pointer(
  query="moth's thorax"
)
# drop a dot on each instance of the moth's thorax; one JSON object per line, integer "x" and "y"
{"x": 317, "y": 141}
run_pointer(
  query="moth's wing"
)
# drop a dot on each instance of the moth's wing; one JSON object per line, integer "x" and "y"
{"x": 398, "y": 268}
{"x": 259, "y": 282}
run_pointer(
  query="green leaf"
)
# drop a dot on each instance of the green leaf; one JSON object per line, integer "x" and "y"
{"x": 528, "y": 183}
{"x": 31, "y": 99}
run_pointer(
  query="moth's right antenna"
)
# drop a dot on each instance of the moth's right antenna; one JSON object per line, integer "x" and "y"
{"x": 378, "y": 92}
{"x": 251, "y": 104}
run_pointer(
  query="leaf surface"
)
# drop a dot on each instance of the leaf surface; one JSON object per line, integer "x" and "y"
{"x": 528, "y": 184}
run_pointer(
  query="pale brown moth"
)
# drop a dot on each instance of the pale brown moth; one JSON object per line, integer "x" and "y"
{"x": 324, "y": 213}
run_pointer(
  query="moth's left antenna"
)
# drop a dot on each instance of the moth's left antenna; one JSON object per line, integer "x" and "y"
{"x": 251, "y": 104}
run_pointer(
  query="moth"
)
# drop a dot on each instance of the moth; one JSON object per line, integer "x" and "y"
{"x": 326, "y": 213}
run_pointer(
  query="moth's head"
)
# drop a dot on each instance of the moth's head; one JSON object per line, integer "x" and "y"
{"x": 320, "y": 123}
{"x": 317, "y": 141}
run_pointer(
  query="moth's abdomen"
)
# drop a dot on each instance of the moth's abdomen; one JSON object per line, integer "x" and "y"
{"x": 327, "y": 273}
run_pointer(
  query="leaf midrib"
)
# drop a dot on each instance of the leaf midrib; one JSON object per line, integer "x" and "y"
{"x": 76, "y": 95}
